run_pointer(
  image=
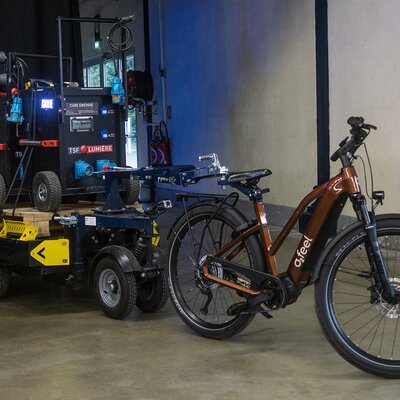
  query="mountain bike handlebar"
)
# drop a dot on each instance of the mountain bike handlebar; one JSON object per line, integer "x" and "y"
{"x": 359, "y": 131}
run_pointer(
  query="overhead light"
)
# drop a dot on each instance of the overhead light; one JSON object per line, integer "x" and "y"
{"x": 97, "y": 37}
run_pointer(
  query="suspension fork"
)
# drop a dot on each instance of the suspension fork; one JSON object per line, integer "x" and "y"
{"x": 373, "y": 248}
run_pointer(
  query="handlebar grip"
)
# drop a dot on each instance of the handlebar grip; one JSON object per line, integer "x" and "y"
{"x": 335, "y": 156}
{"x": 356, "y": 122}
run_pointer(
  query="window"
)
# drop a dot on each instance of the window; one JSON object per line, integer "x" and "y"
{"x": 131, "y": 140}
{"x": 130, "y": 62}
{"x": 85, "y": 77}
{"x": 109, "y": 72}
{"x": 103, "y": 72}
{"x": 93, "y": 75}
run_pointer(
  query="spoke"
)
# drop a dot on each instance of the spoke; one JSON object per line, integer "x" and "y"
{"x": 193, "y": 297}
{"x": 347, "y": 270}
{"x": 185, "y": 248}
{"x": 352, "y": 308}
{"x": 351, "y": 283}
{"x": 362, "y": 326}
{"x": 351, "y": 294}
{"x": 354, "y": 267}
{"x": 383, "y": 333}
{"x": 189, "y": 290}
{"x": 185, "y": 274}
{"x": 363, "y": 260}
{"x": 395, "y": 259}
{"x": 395, "y": 332}
{"x": 356, "y": 316}
{"x": 376, "y": 330}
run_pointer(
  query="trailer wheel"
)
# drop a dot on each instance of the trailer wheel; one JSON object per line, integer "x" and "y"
{"x": 153, "y": 293}
{"x": 116, "y": 290}
{"x": 46, "y": 190}
{"x": 131, "y": 194}
{"x": 5, "y": 274}
{"x": 3, "y": 191}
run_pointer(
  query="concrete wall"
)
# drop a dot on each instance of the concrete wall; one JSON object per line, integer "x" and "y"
{"x": 241, "y": 82}
{"x": 364, "y": 59}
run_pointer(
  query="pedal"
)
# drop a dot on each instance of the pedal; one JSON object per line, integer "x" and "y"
{"x": 243, "y": 308}
{"x": 255, "y": 302}
{"x": 265, "y": 313}
{"x": 237, "y": 308}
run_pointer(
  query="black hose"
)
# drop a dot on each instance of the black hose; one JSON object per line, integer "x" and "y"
{"x": 124, "y": 45}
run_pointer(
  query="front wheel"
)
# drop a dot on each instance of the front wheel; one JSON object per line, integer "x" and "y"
{"x": 201, "y": 303}
{"x": 361, "y": 326}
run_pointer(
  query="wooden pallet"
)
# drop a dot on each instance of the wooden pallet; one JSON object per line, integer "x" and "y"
{"x": 44, "y": 220}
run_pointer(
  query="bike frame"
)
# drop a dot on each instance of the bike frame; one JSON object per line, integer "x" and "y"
{"x": 332, "y": 197}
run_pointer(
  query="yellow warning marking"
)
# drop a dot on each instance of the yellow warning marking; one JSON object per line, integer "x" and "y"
{"x": 52, "y": 252}
{"x": 156, "y": 236}
{"x": 3, "y": 228}
{"x": 26, "y": 232}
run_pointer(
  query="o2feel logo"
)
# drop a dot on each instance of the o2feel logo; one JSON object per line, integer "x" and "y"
{"x": 302, "y": 251}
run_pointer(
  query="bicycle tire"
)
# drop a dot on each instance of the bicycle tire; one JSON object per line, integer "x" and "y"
{"x": 359, "y": 324}
{"x": 187, "y": 232}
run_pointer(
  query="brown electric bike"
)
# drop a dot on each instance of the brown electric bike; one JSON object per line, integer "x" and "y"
{"x": 223, "y": 270}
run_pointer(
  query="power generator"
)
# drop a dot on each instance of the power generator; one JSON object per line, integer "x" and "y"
{"x": 55, "y": 137}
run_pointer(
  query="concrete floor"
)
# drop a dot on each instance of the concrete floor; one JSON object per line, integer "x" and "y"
{"x": 57, "y": 344}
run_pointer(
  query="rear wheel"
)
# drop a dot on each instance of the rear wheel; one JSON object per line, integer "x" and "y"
{"x": 47, "y": 191}
{"x": 192, "y": 239}
{"x": 361, "y": 326}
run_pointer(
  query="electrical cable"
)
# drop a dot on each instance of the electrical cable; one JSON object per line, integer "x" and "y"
{"x": 365, "y": 173}
{"x": 124, "y": 45}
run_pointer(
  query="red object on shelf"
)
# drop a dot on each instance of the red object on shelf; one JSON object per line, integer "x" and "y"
{"x": 39, "y": 143}
{"x": 3, "y": 147}
{"x": 49, "y": 143}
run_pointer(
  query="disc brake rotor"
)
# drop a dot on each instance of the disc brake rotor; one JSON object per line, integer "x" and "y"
{"x": 386, "y": 309}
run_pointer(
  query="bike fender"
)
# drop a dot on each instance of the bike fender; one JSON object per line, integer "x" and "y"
{"x": 328, "y": 248}
{"x": 122, "y": 255}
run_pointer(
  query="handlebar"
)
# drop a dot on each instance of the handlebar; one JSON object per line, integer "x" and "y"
{"x": 359, "y": 131}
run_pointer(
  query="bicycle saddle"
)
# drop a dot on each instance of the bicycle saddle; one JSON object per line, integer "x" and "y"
{"x": 247, "y": 175}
